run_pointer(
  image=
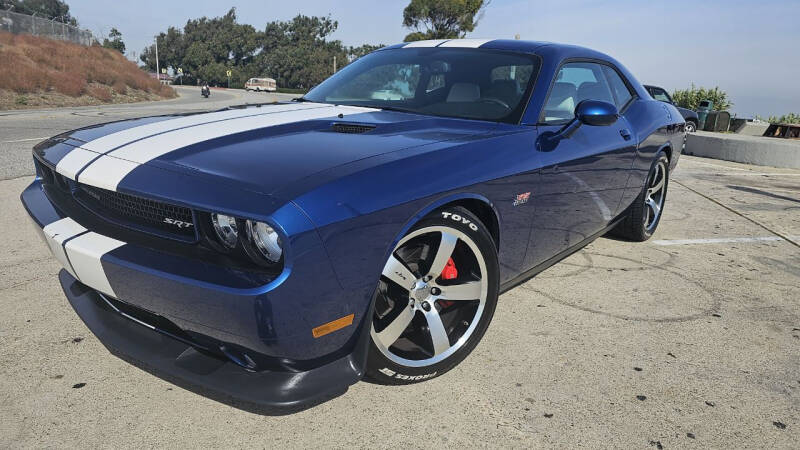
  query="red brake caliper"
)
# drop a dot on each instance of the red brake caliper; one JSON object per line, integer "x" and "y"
{"x": 449, "y": 273}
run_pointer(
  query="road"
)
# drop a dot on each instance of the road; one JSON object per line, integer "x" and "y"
{"x": 691, "y": 339}
{"x": 20, "y": 130}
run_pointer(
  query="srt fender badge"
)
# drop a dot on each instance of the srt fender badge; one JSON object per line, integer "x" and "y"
{"x": 177, "y": 223}
{"x": 521, "y": 199}
{"x": 463, "y": 220}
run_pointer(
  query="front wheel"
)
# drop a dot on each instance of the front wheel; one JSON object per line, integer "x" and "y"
{"x": 435, "y": 299}
{"x": 644, "y": 214}
{"x": 691, "y": 127}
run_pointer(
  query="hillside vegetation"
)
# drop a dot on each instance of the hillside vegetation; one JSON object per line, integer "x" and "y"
{"x": 36, "y": 71}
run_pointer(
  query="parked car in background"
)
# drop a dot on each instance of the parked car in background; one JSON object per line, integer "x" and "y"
{"x": 260, "y": 84}
{"x": 661, "y": 95}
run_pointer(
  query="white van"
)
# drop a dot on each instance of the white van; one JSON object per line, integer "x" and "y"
{"x": 260, "y": 84}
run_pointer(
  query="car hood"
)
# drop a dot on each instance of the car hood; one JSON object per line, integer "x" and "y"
{"x": 259, "y": 149}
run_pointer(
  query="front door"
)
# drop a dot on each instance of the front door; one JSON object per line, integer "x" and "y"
{"x": 583, "y": 178}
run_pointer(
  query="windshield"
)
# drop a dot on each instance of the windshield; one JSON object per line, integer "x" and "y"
{"x": 454, "y": 82}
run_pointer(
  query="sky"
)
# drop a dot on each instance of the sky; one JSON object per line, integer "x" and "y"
{"x": 747, "y": 48}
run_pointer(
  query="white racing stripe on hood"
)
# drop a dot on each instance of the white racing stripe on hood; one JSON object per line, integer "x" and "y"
{"x": 107, "y": 171}
{"x": 74, "y": 161}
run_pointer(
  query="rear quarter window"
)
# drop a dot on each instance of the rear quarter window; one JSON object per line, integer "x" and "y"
{"x": 622, "y": 95}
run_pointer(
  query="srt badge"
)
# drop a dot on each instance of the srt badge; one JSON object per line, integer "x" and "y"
{"x": 522, "y": 198}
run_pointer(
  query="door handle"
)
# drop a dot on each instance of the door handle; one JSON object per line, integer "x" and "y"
{"x": 625, "y": 134}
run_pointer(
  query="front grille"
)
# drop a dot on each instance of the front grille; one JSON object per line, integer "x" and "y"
{"x": 137, "y": 212}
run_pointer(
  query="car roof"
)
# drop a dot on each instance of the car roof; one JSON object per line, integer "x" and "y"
{"x": 538, "y": 47}
{"x": 552, "y": 55}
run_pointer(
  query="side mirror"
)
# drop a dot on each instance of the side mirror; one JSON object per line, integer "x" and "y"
{"x": 596, "y": 113}
{"x": 590, "y": 112}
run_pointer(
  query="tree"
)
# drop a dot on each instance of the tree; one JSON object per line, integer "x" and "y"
{"x": 691, "y": 98}
{"x": 297, "y": 52}
{"x": 791, "y": 118}
{"x": 353, "y": 53}
{"x": 442, "y": 19}
{"x": 115, "y": 42}
{"x": 48, "y": 9}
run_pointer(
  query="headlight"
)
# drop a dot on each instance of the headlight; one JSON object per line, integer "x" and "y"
{"x": 265, "y": 240}
{"x": 226, "y": 229}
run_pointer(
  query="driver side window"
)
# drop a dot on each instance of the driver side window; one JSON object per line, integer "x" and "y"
{"x": 574, "y": 83}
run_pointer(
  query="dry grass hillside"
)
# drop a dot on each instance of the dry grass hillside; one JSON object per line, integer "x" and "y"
{"x": 40, "y": 72}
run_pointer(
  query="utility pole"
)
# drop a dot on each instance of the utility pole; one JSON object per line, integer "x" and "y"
{"x": 158, "y": 72}
{"x": 334, "y": 63}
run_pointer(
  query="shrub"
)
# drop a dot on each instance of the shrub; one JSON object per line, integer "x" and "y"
{"x": 99, "y": 92}
{"x": 786, "y": 118}
{"x": 166, "y": 91}
{"x": 31, "y": 63}
{"x": 68, "y": 83}
{"x": 691, "y": 98}
{"x": 120, "y": 87}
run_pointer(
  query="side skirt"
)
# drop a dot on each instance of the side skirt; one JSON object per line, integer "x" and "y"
{"x": 527, "y": 275}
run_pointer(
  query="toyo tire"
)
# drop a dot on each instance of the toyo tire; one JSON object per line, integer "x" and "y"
{"x": 436, "y": 297}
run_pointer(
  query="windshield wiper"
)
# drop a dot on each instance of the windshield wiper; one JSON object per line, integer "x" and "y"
{"x": 394, "y": 108}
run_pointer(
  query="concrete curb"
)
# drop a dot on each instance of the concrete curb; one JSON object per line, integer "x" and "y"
{"x": 756, "y": 150}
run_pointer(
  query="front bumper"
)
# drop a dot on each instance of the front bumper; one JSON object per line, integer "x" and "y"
{"x": 198, "y": 317}
{"x": 166, "y": 357}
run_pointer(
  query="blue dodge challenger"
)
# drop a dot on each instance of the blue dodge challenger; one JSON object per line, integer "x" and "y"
{"x": 275, "y": 254}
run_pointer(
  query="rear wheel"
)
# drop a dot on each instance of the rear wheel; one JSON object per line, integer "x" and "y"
{"x": 644, "y": 214}
{"x": 691, "y": 127}
{"x": 436, "y": 297}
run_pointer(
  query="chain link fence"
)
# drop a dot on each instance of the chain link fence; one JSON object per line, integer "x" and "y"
{"x": 23, "y": 23}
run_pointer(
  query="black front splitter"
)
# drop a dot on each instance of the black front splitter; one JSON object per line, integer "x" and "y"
{"x": 265, "y": 392}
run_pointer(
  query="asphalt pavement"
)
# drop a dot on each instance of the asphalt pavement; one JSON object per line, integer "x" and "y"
{"x": 691, "y": 339}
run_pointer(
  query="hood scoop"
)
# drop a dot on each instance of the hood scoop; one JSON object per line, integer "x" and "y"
{"x": 351, "y": 128}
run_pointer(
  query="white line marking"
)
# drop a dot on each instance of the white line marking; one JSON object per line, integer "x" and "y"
{"x": 109, "y": 170}
{"x": 751, "y": 174}
{"x": 692, "y": 161}
{"x": 717, "y": 240}
{"x": 24, "y": 140}
{"x": 85, "y": 252}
